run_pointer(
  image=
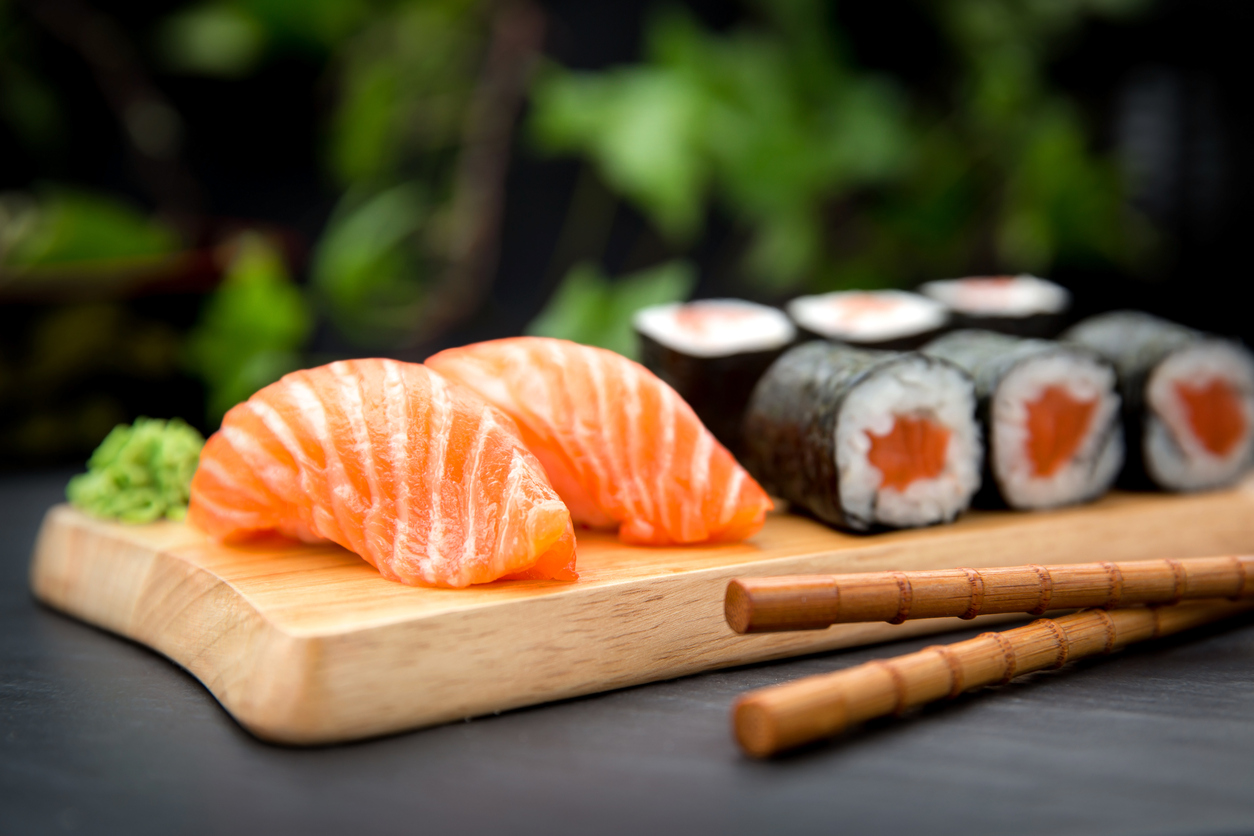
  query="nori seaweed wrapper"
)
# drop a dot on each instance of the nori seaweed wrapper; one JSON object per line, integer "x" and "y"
{"x": 790, "y": 425}
{"x": 907, "y": 342}
{"x": 1135, "y": 342}
{"x": 988, "y": 357}
{"x": 717, "y": 388}
{"x": 1038, "y": 326}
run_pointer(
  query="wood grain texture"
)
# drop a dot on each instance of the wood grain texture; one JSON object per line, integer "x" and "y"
{"x": 308, "y": 644}
{"x": 814, "y": 602}
{"x": 771, "y": 720}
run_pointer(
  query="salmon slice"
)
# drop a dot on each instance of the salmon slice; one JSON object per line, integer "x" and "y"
{"x": 422, "y": 478}
{"x": 1214, "y": 410}
{"x": 1057, "y": 423}
{"x": 620, "y": 446}
{"x": 915, "y": 448}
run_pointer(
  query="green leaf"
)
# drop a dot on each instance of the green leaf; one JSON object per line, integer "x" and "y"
{"x": 642, "y": 126}
{"x": 64, "y": 226}
{"x": 364, "y": 139}
{"x": 29, "y": 105}
{"x": 588, "y": 308}
{"x": 250, "y": 329}
{"x": 321, "y": 24}
{"x": 367, "y": 269}
{"x": 577, "y": 309}
{"x": 216, "y": 39}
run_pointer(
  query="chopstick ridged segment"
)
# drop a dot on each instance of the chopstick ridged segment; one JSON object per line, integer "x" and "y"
{"x": 814, "y": 602}
{"x": 772, "y": 720}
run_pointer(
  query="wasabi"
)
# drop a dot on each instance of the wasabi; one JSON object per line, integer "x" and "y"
{"x": 139, "y": 473}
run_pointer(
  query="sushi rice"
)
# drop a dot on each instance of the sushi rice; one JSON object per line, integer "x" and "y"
{"x": 865, "y": 439}
{"x": 1188, "y": 400}
{"x": 1177, "y": 455}
{"x": 1050, "y": 413}
{"x": 912, "y": 387}
{"x": 1088, "y": 471}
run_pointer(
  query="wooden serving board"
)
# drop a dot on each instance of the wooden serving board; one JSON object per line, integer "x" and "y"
{"x": 308, "y": 644}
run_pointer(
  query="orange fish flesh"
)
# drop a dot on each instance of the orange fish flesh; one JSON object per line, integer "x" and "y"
{"x": 621, "y": 447}
{"x": 415, "y": 474}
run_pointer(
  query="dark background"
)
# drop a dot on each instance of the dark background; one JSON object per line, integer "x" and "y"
{"x": 1165, "y": 92}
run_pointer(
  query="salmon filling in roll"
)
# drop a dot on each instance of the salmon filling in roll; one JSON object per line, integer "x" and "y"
{"x": 1050, "y": 413}
{"x": 865, "y": 439}
{"x": 907, "y": 446}
{"x": 1201, "y": 401}
{"x": 913, "y": 450}
{"x": 1055, "y": 431}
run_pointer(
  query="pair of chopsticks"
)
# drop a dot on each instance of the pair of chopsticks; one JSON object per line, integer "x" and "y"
{"x": 1180, "y": 594}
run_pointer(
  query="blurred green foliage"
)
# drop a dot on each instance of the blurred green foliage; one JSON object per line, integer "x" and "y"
{"x": 28, "y": 104}
{"x": 218, "y": 39}
{"x": 367, "y": 270}
{"x": 404, "y": 74}
{"x": 252, "y": 328}
{"x": 589, "y": 308}
{"x": 837, "y": 176}
{"x": 845, "y": 177}
{"x": 404, "y": 88}
{"x": 61, "y": 226}
{"x": 49, "y": 406}
{"x": 140, "y": 473}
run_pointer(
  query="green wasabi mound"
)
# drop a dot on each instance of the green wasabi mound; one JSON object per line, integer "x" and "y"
{"x": 140, "y": 473}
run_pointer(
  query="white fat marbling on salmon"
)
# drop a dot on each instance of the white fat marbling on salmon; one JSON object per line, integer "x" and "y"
{"x": 275, "y": 476}
{"x": 441, "y": 417}
{"x": 345, "y": 502}
{"x": 622, "y": 446}
{"x": 635, "y": 448}
{"x": 666, "y": 458}
{"x": 309, "y": 470}
{"x": 397, "y": 416}
{"x": 472, "y": 528}
{"x": 354, "y": 414}
{"x": 585, "y": 456}
{"x": 370, "y": 444}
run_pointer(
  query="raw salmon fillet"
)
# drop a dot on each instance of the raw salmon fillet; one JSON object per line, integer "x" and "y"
{"x": 620, "y": 446}
{"x": 417, "y": 475}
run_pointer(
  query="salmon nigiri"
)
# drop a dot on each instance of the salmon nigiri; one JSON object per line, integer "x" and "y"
{"x": 621, "y": 447}
{"x": 415, "y": 474}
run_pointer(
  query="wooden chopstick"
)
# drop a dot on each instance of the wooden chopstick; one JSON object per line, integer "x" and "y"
{"x": 813, "y": 602}
{"x": 770, "y": 720}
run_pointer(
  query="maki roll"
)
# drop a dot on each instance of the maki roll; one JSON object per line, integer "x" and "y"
{"x": 1022, "y": 305}
{"x": 712, "y": 353}
{"x": 865, "y": 439}
{"x": 1188, "y": 399}
{"x": 888, "y": 319}
{"x": 1050, "y": 415}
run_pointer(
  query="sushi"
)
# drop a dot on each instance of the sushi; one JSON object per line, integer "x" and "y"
{"x": 419, "y": 477}
{"x": 865, "y": 439}
{"x": 887, "y": 319}
{"x": 1188, "y": 400}
{"x": 1024, "y": 306}
{"x": 1049, "y": 414}
{"x": 712, "y": 353}
{"x": 622, "y": 449}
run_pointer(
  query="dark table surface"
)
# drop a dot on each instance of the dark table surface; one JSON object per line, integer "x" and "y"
{"x": 100, "y": 735}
